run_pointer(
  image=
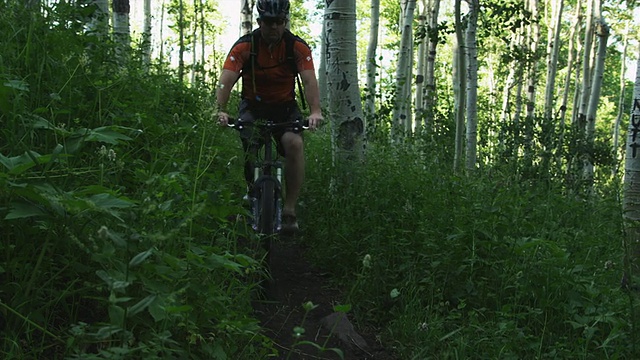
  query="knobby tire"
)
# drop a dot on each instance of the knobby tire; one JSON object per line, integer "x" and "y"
{"x": 267, "y": 216}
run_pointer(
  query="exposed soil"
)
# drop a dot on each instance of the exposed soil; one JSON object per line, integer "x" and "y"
{"x": 295, "y": 282}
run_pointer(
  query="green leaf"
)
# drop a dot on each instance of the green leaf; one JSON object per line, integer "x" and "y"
{"x": 139, "y": 258}
{"x": 116, "y": 315}
{"x": 156, "y": 309}
{"x": 24, "y": 210}
{"x": 108, "y": 201}
{"x": 141, "y": 305}
{"x": 342, "y": 308}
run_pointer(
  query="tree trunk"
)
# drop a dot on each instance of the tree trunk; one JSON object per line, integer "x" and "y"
{"x": 430, "y": 78}
{"x": 459, "y": 86}
{"x": 402, "y": 108}
{"x": 421, "y": 68}
{"x": 631, "y": 199}
{"x": 246, "y": 25}
{"x": 181, "y": 41}
{"x": 472, "y": 85}
{"x": 194, "y": 43}
{"x": 372, "y": 64}
{"x": 121, "y": 27}
{"x": 594, "y": 99}
{"x": 322, "y": 68}
{"x": 585, "y": 89}
{"x": 146, "y": 35}
{"x": 553, "y": 50}
{"x": 345, "y": 106}
{"x": 567, "y": 83}
{"x": 532, "y": 83}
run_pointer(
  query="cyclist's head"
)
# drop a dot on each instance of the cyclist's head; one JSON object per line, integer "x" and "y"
{"x": 275, "y": 9}
{"x": 273, "y": 16}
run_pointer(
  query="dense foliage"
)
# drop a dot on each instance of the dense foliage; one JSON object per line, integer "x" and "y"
{"x": 118, "y": 198}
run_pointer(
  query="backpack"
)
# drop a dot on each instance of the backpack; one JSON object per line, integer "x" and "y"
{"x": 289, "y": 40}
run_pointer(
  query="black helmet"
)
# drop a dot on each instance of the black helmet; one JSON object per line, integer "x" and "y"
{"x": 273, "y": 8}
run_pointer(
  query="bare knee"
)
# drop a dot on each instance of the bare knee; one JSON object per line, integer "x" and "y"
{"x": 292, "y": 143}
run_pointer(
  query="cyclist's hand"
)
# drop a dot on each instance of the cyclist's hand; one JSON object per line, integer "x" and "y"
{"x": 223, "y": 118}
{"x": 314, "y": 121}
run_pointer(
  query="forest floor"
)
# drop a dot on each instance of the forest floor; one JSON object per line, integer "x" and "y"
{"x": 295, "y": 282}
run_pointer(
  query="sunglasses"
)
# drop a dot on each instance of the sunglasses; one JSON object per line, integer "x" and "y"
{"x": 271, "y": 21}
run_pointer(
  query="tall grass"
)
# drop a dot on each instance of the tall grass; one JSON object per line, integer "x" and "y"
{"x": 485, "y": 266}
{"x": 115, "y": 203}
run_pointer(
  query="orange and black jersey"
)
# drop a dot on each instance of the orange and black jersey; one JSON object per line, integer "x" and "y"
{"x": 274, "y": 76}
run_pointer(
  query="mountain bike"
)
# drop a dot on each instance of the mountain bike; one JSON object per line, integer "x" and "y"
{"x": 265, "y": 192}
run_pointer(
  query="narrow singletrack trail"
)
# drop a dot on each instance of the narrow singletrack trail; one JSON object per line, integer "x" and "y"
{"x": 297, "y": 282}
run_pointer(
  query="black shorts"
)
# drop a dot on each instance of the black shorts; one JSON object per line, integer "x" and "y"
{"x": 248, "y": 112}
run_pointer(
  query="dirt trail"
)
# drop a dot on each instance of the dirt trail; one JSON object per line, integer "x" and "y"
{"x": 297, "y": 282}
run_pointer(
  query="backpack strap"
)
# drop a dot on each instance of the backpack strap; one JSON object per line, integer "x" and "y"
{"x": 289, "y": 42}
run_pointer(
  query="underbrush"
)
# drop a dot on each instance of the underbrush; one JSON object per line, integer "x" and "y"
{"x": 117, "y": 234}
{"x": 485, "y": 266}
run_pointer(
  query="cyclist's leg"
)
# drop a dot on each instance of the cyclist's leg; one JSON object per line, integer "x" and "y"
{"x": 250, "y": 142}
{"x": 291, "y": 145}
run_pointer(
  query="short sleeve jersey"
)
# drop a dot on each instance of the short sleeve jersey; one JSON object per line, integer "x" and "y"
{"x": 274, "y": 78}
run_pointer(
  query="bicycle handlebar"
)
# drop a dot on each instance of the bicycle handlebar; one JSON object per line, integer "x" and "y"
{"x": 296, "y": 124}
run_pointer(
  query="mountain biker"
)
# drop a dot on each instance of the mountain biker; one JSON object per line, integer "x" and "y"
{"x": 268, "y": 92}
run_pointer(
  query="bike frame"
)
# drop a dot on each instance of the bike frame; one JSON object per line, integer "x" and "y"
{"x": 266, "y": 190}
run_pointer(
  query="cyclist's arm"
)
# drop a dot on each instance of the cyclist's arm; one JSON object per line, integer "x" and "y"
{"x": 312, "y": 94}
{"x": 225, "y": 84}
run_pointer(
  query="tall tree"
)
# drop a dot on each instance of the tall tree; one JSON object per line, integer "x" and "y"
{"x": 372, "y": 64}
{"x": 621, "y": 99}
{"x": 459, "y": 86}
{"x": 402, "y": 117}
{"x": 146, "y": 34}
{"x": 631, "y": 199}
{"x": 594, "y": 98}
{"x": 421, "y": 66}
{"x": 345, "y": 106}
{"x": 121, "y": 24}
{"x": 553, "y": 51}
{"x": 246, "y": 25}
{"x": 430, "y": 78}
{"x": 472, "y": 85}
{"x": 532, "y": 78}
{"x": 182, "y": 46}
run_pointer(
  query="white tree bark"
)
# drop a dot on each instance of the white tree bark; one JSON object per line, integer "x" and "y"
{"x": 121, "y": 27}
{"x": 345, "y": 106}
{"x": 246, "y": 23}
{"x": 421, "y": 67}
{"x": 146, "y": 35}
{"x": 459, "y": 86}
{"x": 570, "y": 63}
{"x": 553, "y": 50}
{"x": 621, "y": 100}
{"x": 430, "y": 78}
{"x": 585, "y": 89}
{"x": 472, "y": 85}
{"x": 402, "y": 108}
{"x": 372, "y": 64}
{"x": 631, "y": 197}
{"x": 594, "y": 99}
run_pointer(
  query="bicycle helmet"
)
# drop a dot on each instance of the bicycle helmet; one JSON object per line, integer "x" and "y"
{"x": 273, "y": 8}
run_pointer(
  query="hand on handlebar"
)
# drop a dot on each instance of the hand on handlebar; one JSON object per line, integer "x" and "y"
{"x": 314, "y": 121}
{"x": 223, "y": 118}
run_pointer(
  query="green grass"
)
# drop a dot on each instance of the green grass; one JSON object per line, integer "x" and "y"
{"x": 485, "y": 266}
{"x": 117, "y": 195}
